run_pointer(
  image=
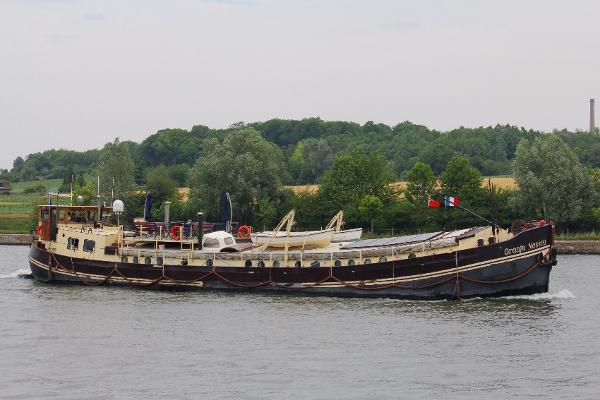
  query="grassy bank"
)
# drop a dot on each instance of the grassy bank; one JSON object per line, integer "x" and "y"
{"x": 49, "y": 184}
{"x": 578, "y": 236}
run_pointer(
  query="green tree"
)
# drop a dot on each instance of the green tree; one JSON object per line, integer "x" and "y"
{"x": 247, "y": 166}
{"x": 551, "y": 181}
{"x": 354, "y": 175}
{"x": 370, "y": 207}
{"x": 462, "y": 180}
{"x": 160, "y": 184}
{"x": 421, "y": 184}
{"x": 115, "y": 163}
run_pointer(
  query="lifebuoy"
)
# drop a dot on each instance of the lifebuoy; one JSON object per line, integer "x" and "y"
{"x": 175, "y": 232}
{"x": 244, "y": 231}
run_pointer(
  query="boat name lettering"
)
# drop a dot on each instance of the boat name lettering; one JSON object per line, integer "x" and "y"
{"x": 514, "y": 250}
{"x": 519, "y": 249}
{"x": 536, "y": 245}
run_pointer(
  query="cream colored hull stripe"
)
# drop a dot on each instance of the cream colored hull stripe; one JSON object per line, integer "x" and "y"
{"x": 115, "y": 278}
{"x": 437, "y": 274}
{"x": 326, "y": 284}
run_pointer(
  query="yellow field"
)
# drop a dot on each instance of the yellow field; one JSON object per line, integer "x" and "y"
{"x": 502, "y": 182}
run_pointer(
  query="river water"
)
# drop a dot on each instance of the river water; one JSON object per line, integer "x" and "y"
{"x": 72, "y": 342}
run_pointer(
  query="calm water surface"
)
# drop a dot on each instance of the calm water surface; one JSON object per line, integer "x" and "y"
{"x": 71, "y": 342}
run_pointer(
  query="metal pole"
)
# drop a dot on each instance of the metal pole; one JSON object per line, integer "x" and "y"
{"x": 200, "y": 229}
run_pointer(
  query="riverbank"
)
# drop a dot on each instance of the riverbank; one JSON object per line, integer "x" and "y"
{"x": 578, "y": 246}
{"x": 23, "y": 239}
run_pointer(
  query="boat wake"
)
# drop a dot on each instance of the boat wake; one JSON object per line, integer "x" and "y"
{"x": 561, "y": 294}
{"x": 16, "y": 274}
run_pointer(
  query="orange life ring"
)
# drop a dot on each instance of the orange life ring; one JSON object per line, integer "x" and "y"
{"x": 244, "y": 231}
{"x": 175, "y": 232}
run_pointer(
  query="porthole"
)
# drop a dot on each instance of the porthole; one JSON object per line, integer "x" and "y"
{"x": 260, "y": 264}
{"x": 184, "y": 261}
{"x": 159, "y": 260}
{"x": 275, "y": 264}
{"x": 412, "y": 255}
{"x": 298, "y": 264}
{"x": 124, "y": 259}
{"x": 367, "y": 261}
{"x": 351, "y": 262}
{"x": 148, "y": 260}
{"x": 209, "y": 262}
{"x": 136, "y": 259}
{"x": 382, "y": 259}
{"x": 248, "y": 264}
{"x": 337, "y": 263}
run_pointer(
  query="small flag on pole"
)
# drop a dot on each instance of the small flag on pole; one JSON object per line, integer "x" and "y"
{"x": 433, "y": 203}
{"x": 450, "y": 201}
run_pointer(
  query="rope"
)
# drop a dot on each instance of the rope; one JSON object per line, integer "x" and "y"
{"x": 330, "y": 278}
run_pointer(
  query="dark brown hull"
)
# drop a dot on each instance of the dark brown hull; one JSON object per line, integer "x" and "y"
{"x": 520, "y": 266}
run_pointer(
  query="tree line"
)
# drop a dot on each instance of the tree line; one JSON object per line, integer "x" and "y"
{"x": 354, "y": 164}
{"x": 309, "y": 147}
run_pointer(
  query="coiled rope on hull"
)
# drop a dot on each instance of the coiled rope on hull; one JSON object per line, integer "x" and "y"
{"x": 56, "y": 267}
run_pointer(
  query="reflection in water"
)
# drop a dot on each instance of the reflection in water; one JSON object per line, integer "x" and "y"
{"x": 63, "y": 341}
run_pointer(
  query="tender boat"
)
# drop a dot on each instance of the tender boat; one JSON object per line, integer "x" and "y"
{"x": 74, "y": 244}
{"x": 306, "y": 239}
{"x": 343, "y": 235}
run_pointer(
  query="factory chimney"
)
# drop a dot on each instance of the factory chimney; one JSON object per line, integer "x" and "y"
{"x": 592, "y": 122}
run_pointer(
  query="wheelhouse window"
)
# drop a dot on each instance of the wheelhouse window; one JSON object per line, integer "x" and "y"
{"x": 88, "y": 245}
{"x": 212, "y": 243}
{"x": 72, "y": 243}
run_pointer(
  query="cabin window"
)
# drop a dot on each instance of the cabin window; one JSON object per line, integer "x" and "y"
{"x": 72, "y": 243}
{"x": 229, "y": 241}
{"x": 261, "y": 264}
{"x": 209, "y": 262}
{"x": 211, "y": 243}
{"x": 46, "y": 214}
{"x": 88, "y": 245}
{"x": 298, "y": 264}
{"x": 61, "y": 215}
{"x": 351, "y": 262}
{"x": 337, "y": 263}
{"x": 148, "y": 260}
{"x": 159, "y": 260}
{"x": 248, "y": 263}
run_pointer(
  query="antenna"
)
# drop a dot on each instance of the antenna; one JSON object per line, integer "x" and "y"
{"x": 71, "y": 189}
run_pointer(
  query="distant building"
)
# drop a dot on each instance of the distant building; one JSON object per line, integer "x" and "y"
{"x": 4, "y": 188}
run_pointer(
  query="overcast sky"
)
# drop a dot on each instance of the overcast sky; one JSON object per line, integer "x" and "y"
{"x": 76, "y": 74}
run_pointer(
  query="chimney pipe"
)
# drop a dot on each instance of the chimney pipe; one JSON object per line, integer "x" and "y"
{"x": 592, "y": 122}
{"x": 167, "y": 212}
